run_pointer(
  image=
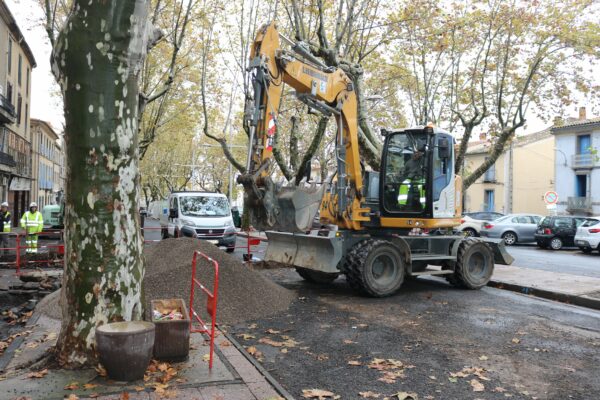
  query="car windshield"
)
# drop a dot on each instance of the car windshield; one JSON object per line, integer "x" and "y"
{"x": 204, "y": 206}
{"x": 590, "y": 222}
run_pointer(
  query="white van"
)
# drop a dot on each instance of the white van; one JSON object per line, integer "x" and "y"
{"x": 201, "y": 215}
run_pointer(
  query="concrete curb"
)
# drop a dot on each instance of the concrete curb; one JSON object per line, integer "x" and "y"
{"x": 578, "y": 300}
{"x": 276, "y": 385}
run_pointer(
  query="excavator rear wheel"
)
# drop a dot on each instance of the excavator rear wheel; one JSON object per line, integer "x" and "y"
{"x": 474, "y": 264}
{"x": 375, "y": 267}
{"x": 316, "y": 276}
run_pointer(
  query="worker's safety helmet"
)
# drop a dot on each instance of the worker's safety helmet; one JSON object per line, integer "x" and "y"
{"x": 33, "y": 204}
{"x": 4, "y": 204}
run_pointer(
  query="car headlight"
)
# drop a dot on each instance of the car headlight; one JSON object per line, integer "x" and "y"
{"x": 188, "y": 222}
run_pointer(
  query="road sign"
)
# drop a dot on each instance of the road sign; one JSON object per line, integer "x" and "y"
{"x": 551, "y": 197}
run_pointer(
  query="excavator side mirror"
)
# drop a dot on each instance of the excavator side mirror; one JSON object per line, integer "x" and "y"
{"x": 443, "y": 149}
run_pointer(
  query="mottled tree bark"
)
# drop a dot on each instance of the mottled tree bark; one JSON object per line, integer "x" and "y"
{"x": 96, "y": 60}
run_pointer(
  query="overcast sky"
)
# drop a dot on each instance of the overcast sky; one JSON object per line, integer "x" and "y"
{"x": 46, "y": 103}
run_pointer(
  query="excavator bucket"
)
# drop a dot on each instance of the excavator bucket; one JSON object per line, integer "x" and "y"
{"x": 288, "y": 209}
{"x": 298, "y": 207}
{"x": 320, "y": 253}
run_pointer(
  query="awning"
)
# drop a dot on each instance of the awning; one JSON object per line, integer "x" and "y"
{"x": 20, "y": 184}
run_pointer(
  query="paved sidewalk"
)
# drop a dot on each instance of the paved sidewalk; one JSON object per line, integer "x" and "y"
{"x": 233, "y": 376}
{"x": 575, "y": 289}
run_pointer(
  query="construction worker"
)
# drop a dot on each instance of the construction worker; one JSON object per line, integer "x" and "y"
{"x": 33, "y": 223}
{"x": 5, "y": 219}
{"x": 411, "y": 194}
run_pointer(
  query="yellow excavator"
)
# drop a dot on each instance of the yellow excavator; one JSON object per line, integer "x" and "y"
{"x": 378, "y": 228}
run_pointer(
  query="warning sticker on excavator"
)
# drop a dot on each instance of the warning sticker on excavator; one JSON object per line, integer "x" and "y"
{"x": 323, "y": 87}
{"x": 271, "y": 129}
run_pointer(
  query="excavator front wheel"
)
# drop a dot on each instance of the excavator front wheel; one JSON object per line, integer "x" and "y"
{"x": 375, "y": 267}
{"x": 474, "y": 264}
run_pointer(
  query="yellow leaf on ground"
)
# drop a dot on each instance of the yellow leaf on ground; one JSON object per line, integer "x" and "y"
{"x": 284, "y": 350}
{"x": 89, "y": 386}
{"x": 72, "y": 397}
{"x": 405, "y": 396}
{"x": 163, "y": 367}
{"x": 483, "y": 358}
{"x": 477, "y": 386}
{"x": 317, "y": 394}
{"x": 348, "y": 341}
{"x": 246, "y": 336}
{"x": 138, "y": 388}
{"x": 272, "y": 331}
{"x": 38, "y": 374}
{"x": 516, "y": 341}
{"x": 72, "y": 386}
{"x": 354, "y": 363}
{"x": 206, "y": 357}
{"x": 100, "y": 370}
{"x": 369, "y": 395}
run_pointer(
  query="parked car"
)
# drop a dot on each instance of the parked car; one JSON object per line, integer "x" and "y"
{"x": 470, "y": 223}
{"x": 201, "y": 215}
{"x": 587, "y": 237}
{"x": 512, "y": 228}
{"x": 557, "y": 232}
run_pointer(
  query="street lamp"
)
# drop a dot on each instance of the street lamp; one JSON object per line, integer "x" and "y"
{"x": 564, "y": 155}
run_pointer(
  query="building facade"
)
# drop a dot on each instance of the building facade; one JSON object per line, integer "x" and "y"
{"x": 517, "y": 181}
{"x": 47, "y": 184}
{"x": 16, "y": 63}
{"x": 577, "y": 166}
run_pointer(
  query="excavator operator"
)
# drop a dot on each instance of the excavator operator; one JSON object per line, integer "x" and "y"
{"x": 411, "y": 193}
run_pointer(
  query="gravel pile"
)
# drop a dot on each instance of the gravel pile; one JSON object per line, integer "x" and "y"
{"x": 244, "y": 294}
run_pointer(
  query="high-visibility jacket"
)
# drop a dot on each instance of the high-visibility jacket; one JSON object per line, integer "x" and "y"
{"x": 405, "y": 188}
{"x": 32, "y": 222}
{"x": 6, "y": 222}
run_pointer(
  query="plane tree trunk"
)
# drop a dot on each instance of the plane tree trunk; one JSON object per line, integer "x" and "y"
{"x": 96, "y": 60}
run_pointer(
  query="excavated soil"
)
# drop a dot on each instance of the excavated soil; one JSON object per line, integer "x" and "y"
{"x": 243, "y": 294}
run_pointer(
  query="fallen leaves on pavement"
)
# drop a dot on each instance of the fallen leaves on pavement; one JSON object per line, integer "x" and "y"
{"x": 272, "y": 331}
{"x": 38, "y": 374}
{"x": 89, "y": 386}
{"x": 318, "y": 394}
{"x": 72, "y": 386}
{"x": 124, "y": 396}
{"x": 246, "y": 336}
{"x": 467, "y": 371}
{"x": 100, "y": 370}
{"x": 391, "y": 369}
{"x": 477, "y": 386}
{"x": 354, "y": 363}
{"x": 516, "y": 341}
{"x": 289, "y": 342}
{"x": 72, "y": 397}
{"x": 405, "y": 396}
{"x": 369, "y": 395}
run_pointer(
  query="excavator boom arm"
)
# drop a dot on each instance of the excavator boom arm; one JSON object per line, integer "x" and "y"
{"x": 327, "y": 90}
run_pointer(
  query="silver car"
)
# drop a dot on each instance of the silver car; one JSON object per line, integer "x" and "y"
{"x": 512, "y": 228}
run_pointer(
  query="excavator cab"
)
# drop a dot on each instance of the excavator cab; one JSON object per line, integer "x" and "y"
{"x": 417, "y": 174}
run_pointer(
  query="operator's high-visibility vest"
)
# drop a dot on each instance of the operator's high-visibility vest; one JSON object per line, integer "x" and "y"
{"x": 6, "y": 222}
{"x": 405, "y": 189}
{"x": 32, "y": 222}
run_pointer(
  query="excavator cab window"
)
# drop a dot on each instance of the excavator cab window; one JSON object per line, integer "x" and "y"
{"x": 406, "y": 172}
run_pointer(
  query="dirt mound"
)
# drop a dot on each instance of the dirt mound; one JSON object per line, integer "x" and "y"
{"x": 49, "y": 305}
{"x": 244, "y": 294}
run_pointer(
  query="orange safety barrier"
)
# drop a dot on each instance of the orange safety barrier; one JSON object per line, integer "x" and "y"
{"x": 211, "y": 302}
{"x": 250, "y": 241}
{"x": 21, "y": 259}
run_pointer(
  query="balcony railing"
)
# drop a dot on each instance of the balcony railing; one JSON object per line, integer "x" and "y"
{"x": 579, "y": 204}
{"x": 7, "y": 159}
{"x": 7, "y": 111}
{"x": 588, "y": 160}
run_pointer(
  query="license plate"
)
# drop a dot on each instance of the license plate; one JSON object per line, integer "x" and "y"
{"x": 213, "y": 241}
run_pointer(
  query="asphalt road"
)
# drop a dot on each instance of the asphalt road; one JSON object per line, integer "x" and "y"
{"x": 527, "y": 348}
{"x": 569, "y": 261}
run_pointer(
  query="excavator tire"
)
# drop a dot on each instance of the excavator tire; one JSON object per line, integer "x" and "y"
{"x": 316, "y": 276}
{"x": 474, "y": 264}
{"x": 374, "y": 267}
